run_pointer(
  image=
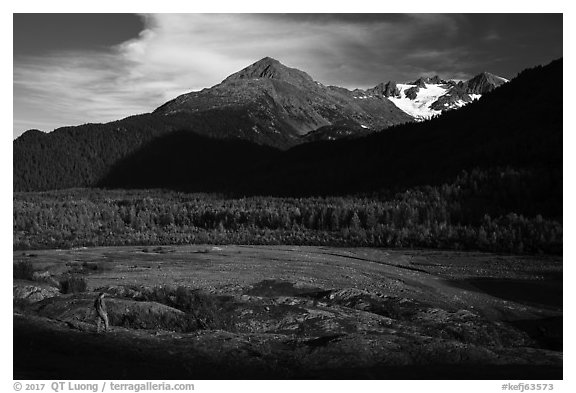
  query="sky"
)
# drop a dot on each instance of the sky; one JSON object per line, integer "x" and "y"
{"x": 71, "y": 69}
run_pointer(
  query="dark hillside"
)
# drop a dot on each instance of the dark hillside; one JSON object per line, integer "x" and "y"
{"x": 266, "y": 104}
{"x": 518, "y": 125}
{"x": 82, "y": 156}
{"x": 186, "y": 160}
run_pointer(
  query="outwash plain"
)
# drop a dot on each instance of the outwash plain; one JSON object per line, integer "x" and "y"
{"x": 258, "y": 312}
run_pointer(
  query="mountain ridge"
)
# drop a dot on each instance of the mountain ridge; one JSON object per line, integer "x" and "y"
{"x": 484, "y": 136}
{"x": 287, "y": 101}
{"x": 83, "y": 156}
{"x": 260, "y": 90}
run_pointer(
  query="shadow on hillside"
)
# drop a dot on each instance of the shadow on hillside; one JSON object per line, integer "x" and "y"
{"x": 518, "y": 125}
{"x": 184, "y": 160}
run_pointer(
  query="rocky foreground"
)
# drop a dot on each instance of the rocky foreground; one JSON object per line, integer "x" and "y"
{"x": 400, "y": 317}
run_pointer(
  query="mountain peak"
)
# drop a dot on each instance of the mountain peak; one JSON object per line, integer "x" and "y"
{"x": 434, "y": 80}
{"x": 269, "y": 68}
{"x": 490, "y": 76}
{"x": 484, "y": 82}
{"x": 267, "y": 59}
{"x": 387, "y": 90}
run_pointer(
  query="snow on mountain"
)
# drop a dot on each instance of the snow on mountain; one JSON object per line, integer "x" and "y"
{"x": 271, "y": 104}
{"x": 427, "y": 97}
{"x": 276, "y": 105}
{"x": 423, "y": 100}
{"x": 419, "y": 107}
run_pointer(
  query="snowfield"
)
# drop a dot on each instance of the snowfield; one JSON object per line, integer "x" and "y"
{"x": 419, "y": 107}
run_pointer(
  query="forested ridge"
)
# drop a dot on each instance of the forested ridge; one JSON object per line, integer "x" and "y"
{"x": 471, "y": 213}
{"x": 83, "y": 156}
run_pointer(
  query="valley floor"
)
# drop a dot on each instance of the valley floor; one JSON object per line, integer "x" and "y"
{"x": 291, "y": 312}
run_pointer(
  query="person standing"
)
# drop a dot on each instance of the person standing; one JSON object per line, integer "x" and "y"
{"x": 102, "y": 314}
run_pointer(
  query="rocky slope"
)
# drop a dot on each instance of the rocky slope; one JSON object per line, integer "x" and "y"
{"x": 279, "y": 100}
{"x": 429, "y": 96}
{"x": 484, "y": 83}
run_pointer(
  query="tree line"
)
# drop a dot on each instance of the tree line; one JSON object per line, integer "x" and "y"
{"x": 480, "y": 210}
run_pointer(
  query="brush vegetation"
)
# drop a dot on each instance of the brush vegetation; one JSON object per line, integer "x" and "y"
{"x": 498, "y": 210}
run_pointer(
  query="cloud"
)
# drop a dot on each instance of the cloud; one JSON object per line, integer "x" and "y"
{"x": 492, "y": 36}
{"x": 75, "y": 88}
{"x": 177, "y": 53}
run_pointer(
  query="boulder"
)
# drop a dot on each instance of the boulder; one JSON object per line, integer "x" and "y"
{"x": 33, "y": 292}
